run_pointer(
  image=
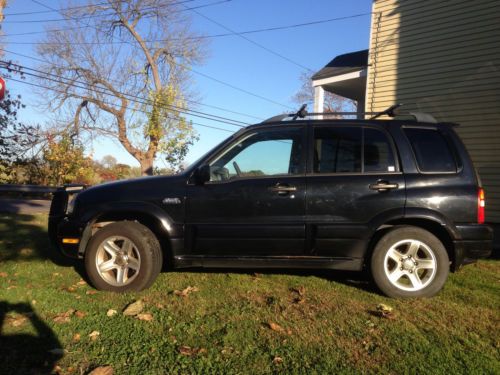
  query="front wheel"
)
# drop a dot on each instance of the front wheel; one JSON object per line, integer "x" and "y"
{"x": 409, "y": 262}
{"x": 123, "y": 256}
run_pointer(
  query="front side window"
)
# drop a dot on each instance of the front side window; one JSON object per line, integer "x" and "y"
{"x": 431, "y": 150}
{"x": 267, "y": 153}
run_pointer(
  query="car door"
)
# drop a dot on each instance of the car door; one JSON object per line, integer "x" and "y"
{"x": 254, "y": 203}
{"x": 354, "y": 182}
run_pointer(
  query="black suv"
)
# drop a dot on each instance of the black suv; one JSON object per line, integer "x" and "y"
{"x": 400, "y": 198}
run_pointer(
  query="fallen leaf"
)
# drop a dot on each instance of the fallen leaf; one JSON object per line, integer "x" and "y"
{"x": 276, "y": 327}
{"x": 90, "y": 292}
{"x": 384, "y": 308}
{"x": 111, "y": 312}
{"x": 70, "y": 289}
{"x": 102, "y": 370}
{"x": 16, "y": 320}
{"x": 186, "y": 291}
{"x": 383, "y": 311}
{"x": 94, "y": 335}
{"x": 277, "y": 360}
{"x": 4, "y": 274}
{"x": 76, "y": 337}
{"x": 57, "y": 351}
{"x": 188, "y": 351}
{"x": 145, "y": 316}
{"x": 301, "y": 290}
{"x": 26, "y": 252}
{"x": 134, "y": 308}
{"x": 80, "y": 314}
{"x": 64, "y": 317}
{"x": 81, "y": 282}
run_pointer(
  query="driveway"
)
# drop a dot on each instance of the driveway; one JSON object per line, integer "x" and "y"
{"x": 24, "y": 206}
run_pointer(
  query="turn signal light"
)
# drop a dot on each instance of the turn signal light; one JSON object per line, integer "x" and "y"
{"x": 72, "y": 241}
{"x": 481, "y": 203}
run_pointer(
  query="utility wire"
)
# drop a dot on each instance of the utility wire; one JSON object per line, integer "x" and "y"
{"x": 187, "y": 100}
{"x": 196, "y": 72}
{"x": 51, "y": 10}
{"x": 109, "y": 103}
{"x": 250, "y": 40}
{"x": 133, "y": 98}
{"x": 70, "y": 8}
{"x": 255, "y": 31}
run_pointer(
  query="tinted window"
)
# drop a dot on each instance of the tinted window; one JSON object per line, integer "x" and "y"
{"x": 378, "y": 155}
{"x": 337, "y": 150}
{"x": 268, "y": 153}
{"x": 431, "y": 150}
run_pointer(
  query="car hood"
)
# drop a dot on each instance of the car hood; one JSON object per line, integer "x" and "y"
{"x": 140, "y": 189}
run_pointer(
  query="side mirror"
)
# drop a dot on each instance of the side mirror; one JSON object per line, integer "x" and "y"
{"x": 202, "y": 174}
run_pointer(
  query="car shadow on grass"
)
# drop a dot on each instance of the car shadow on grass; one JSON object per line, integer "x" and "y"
{"x": 21, "y": 238}
{"x": 25, "y": 353}
{"x": 359, "y": 280}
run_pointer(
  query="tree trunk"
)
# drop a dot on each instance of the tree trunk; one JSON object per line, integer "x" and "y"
{"x": 146, "y": 167}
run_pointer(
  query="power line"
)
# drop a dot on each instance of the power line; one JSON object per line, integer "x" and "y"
{"x": 251, "y": 41}
{"x": 254, "y": 31}
{"x": 82, "y": 97}
{"x": 68, "y": 8}
{"x": 187, "y": 100}
{"x": 51, "y": 10}
{"x": 133, "y": 98}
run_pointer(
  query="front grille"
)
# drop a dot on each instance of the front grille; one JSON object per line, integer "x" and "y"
{"x": 59, "y": 203}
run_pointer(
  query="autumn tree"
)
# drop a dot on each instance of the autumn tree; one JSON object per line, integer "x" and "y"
{"x": 332, "y": 103}
{"x": 66, "y": 162}
{"x": 121, "y": 69}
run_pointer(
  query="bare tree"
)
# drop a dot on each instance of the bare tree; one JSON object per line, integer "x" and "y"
{"x": 121, "y": 70}
{"x": 332, "y": 103}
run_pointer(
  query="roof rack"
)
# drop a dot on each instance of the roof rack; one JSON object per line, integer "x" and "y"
{"x": 391, "y": 112}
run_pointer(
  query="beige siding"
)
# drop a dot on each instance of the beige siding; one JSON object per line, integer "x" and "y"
{"x": 443, "y": 57}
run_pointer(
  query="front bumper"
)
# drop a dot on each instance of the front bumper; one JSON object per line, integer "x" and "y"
{"x": 476, "y": 241}
{"x": 64, "y": 232}
{"x": 60, "y": 228}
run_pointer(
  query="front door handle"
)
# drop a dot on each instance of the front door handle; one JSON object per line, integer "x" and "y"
{"x": 282, "y": 189}
{"x": 383, "y": 186}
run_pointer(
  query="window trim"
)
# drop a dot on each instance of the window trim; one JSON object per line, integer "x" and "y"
{"x": 392, "y": 145}
{"x": 454, "y": 153}
{"x": 303, "y": 159}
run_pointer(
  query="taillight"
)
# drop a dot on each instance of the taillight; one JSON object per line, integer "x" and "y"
{"x": 480, "y": 206}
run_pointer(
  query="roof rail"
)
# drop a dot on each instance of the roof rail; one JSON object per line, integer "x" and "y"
{"x": 391, "y": 112}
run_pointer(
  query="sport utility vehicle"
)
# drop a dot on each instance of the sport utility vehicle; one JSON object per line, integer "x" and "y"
{"x": 400, "y": 198}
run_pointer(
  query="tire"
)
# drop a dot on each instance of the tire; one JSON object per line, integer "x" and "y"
{"x": 409, "y": 262}
{"x": 123, "y": 256}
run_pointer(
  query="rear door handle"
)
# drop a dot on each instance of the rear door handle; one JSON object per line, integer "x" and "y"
{"x": 383, "y": 186}
{"x": 282, "y": 189}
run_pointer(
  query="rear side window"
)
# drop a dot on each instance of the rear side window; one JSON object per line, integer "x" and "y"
{"x": 352, "y": 150}
{"x": 432, "y": 151}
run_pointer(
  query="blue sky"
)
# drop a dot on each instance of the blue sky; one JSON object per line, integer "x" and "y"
{"x": 231, "y": 59}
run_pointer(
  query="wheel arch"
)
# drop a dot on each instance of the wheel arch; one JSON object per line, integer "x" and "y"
{"x": 437, "y": 228}
{"x": 160, "y": 225}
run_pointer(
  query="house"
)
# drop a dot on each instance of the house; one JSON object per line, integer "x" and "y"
{"x": 440, "y": 57}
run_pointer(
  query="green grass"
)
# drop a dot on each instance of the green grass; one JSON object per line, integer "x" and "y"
{"x": 331, "y": 329}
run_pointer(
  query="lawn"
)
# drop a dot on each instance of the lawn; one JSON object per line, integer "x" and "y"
{"x": 235, "y": 322}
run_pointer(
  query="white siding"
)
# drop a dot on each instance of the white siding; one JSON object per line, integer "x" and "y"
{"x": 443, "y": 57}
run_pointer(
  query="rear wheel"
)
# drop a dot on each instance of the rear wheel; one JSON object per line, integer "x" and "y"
{"x": 409, "y": 262}
{"x": 123, "y": 256}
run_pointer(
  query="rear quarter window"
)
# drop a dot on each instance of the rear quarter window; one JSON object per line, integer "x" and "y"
{"x": 432, "y": 151}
